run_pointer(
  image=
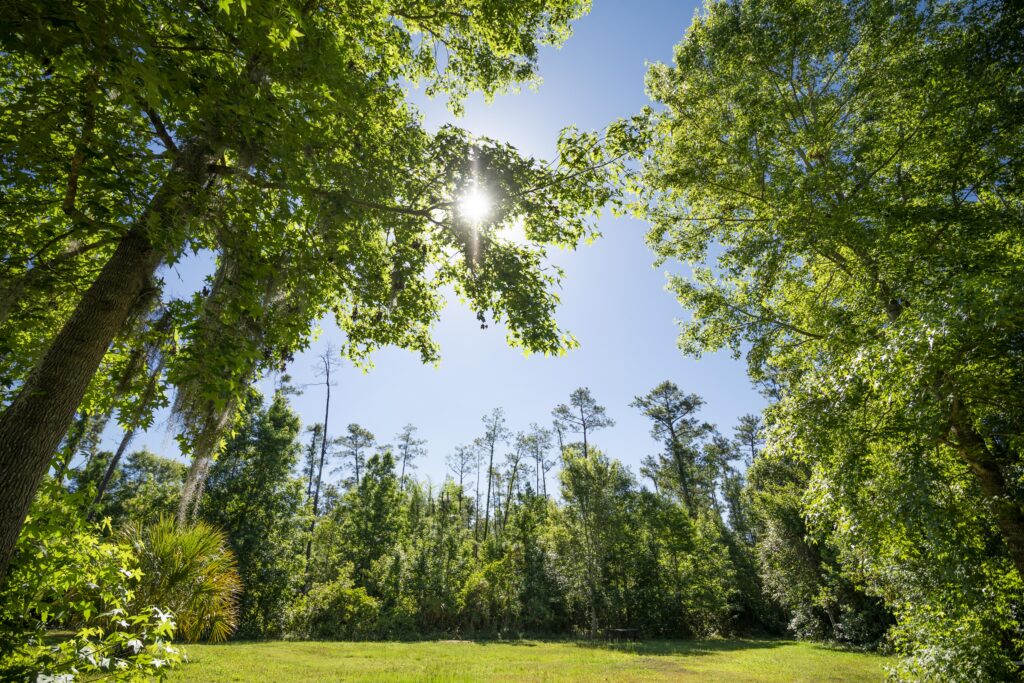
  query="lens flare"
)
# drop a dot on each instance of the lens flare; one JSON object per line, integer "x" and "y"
{"x": 475, "y": 205}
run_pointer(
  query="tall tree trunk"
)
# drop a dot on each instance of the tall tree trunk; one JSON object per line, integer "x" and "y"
{"x": 311, "y": 460}
{"x": 147, "y": 396}
{"x": 192, "y": 491}
{"x": 320, "y": 471}
{"x": 316, "y": 505}
{"x": 975, "y": 452}
{"x": 508, "y": 498}
{"x": 476, "y": 496}
{"x": 490, "y": 477}
{"x": 129, "y": 435}
{"x": 583, "y": 426}
{"x": 39, "y": 416}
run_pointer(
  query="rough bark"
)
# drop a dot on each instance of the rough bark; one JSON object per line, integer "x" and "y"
{"x": 33, "y": 424}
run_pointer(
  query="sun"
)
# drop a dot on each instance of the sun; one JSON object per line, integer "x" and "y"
{"x": 475, "y": 205}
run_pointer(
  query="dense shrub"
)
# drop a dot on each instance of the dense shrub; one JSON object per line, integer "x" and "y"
{"x": 76, "y": 576}
{"x": 335, "y": 611}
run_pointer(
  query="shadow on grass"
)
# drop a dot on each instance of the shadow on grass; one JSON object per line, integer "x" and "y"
{"x": 684, "y": 648}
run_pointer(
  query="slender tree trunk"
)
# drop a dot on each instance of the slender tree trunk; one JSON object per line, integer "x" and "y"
{"x": 986, "y": 468}
{"x": 316, "y": 506}
{"x": 320, "y": 470}
{"x": 38, "y": 417}
{"x": 583, "y": 426}
{"x": 508, "y": 498}
{"x": 129, "y": 434}
{"x": 192, "y": 489}
{"x": 311, "y": 461}
{"x": 490, "y": 477}
{"x": 538, "y": 459}
{"x": 476, "y": 496}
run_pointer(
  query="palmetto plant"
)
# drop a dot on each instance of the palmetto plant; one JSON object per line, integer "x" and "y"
{"x": 191, "y": 571}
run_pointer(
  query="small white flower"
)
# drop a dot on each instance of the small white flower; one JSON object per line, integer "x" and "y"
{"x": 134, "y": 645}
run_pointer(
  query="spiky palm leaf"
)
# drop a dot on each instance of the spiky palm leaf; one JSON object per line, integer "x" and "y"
{"x": 191, "y": 571}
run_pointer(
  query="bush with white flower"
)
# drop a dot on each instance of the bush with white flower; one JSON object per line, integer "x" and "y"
{"x": 66, "y": 609}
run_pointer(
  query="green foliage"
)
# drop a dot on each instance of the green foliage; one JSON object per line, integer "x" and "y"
{"x": 193, "y": 571}
{"x": 336, "y": 610}
{"x": 253, "y": 496}
{"x": 74, "y": 576}
{"x": 800, "y": 566}
{"x": 315, "y": 184}
{"x": 841, "y": 180}
{"x": 145, "y": 486}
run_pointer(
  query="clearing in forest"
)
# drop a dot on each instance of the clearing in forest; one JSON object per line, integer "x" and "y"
{"x": 736, "y": 661}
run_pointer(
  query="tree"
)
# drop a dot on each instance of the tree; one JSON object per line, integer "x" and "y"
{"x": 254, "y": 497}
{"x": 354, "y": 446}
{"x": 409, "y": 448}
{"x": 581, "y": 415}
{"x": 317, "y": 482}
{"x": 282, "y": 142}
{"x": 373, "y": 521}
{"x": 495, "y": 432}
{"x": 851, "y": 164}
{"x": 309, "y": 468}
{"x": 146, "y": 487}
{"x": 514, "y": 462}
{"x": 799, "y": 565}
{"x": 672, "y": 414}
{"x": 537, "y": 443}
{"x": 593, "y": 487}
{"x": 460, "y": 463}
{"x": 749, "y": 437}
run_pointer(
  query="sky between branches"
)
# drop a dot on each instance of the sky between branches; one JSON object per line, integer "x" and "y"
{"x": 613, "y": 301}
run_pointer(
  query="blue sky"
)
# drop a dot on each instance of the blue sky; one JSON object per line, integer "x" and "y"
{"x": 613, "y": 300}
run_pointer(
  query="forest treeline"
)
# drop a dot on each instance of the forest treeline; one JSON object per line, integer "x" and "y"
{"x": 710, "y": 542}
{"x": 840, "y": 182}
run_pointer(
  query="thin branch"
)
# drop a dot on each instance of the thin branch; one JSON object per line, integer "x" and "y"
{"x": 161, "y": 130}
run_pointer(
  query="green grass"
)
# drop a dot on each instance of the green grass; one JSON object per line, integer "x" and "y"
{"x": 742, "y": 661}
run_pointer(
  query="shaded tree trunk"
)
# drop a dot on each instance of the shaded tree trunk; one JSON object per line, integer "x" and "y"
{"x": 1009, "y": 516}
{"x": 35, "y": 421}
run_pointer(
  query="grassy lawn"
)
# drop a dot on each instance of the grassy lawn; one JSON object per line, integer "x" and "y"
{"x": 732, "y": 660}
